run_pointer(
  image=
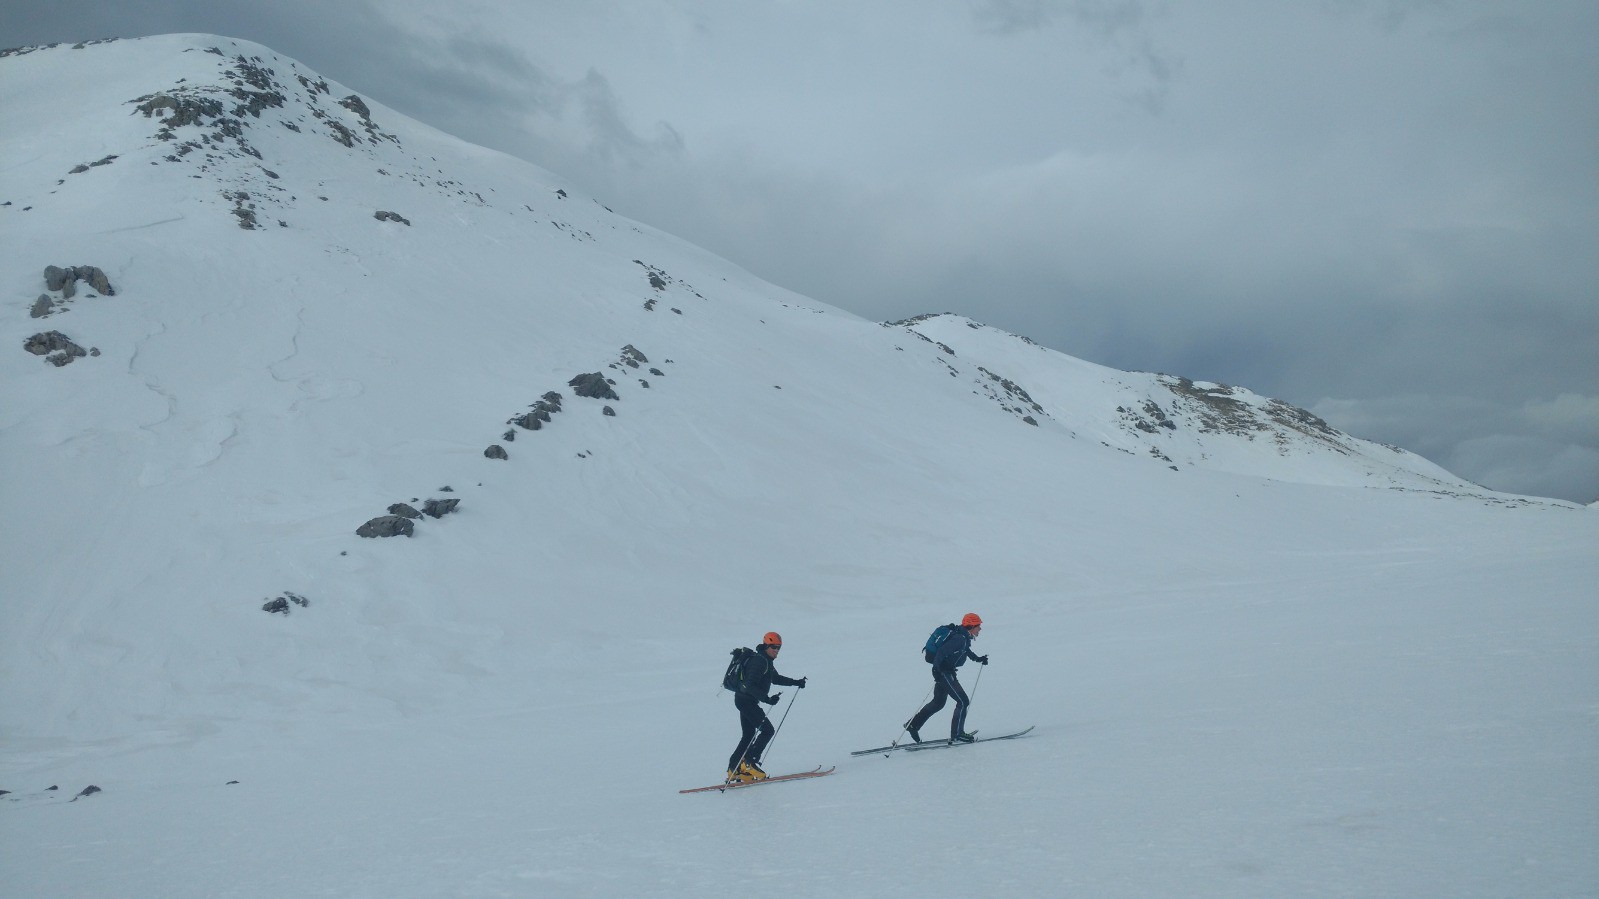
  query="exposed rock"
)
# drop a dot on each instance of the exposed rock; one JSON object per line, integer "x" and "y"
{"x": 280, "y": 605}
{"x": 65, "y": 279}
{"x": 89, "y": 790}
{"x": 84, "y": 167}
{"x": 495, "y": 451}
{"x": 244, "y": 210}
{"x": 187, "y": 110}
{"x": 42, "y": 307}
{"x": 386, "y": 216}
{"x": 594, "y": 385}
{"x": 386, "y": 526}
{"x": 96, "y": 279}
{"x": 404, "y": 511}
{"x": 61, "y": 348}
{"x": 438, "y": 508}
{"x": 608, "y": 411}
{"x": 356, "y": 105}
{"x": 342, "y": 134}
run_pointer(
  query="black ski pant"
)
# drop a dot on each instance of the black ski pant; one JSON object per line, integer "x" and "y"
{"x": 754, "y": 722}
{"x": 945, "y": 684}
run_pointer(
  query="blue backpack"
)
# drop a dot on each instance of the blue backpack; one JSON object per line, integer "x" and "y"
{"x": 936, "y": 639}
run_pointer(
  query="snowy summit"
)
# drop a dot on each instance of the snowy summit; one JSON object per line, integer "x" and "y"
{"x": 383, "y": 512}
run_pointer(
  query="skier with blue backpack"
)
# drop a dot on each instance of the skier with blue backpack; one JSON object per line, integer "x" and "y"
{"x": 750, "y": 676}
{"x": 948, "y": 648}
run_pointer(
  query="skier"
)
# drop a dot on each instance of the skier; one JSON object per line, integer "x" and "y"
{"x": 755, "y": 677}
{"x": 950, "y": 655}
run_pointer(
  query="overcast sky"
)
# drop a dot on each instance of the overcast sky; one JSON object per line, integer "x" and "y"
{"x": 1384, "y": 211}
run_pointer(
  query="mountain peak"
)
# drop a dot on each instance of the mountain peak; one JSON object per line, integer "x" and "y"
{"x": 173, "y": 138}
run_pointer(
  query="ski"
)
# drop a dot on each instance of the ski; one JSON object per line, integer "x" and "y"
{"x": 815, "y": 772}
{"x": 898, "y": 746}
{"x": 944, "y": 744}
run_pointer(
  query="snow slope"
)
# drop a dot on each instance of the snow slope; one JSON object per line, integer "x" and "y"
{"x": 1251, "y": 675}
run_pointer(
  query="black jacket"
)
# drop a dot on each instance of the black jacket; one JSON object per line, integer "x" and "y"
{"x": 955, "y": 650}
{"x": 757, "y": 676}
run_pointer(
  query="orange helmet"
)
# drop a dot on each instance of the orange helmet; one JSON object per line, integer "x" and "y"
{"x": 971, "y": 620}
{"x": 772, "y": 638}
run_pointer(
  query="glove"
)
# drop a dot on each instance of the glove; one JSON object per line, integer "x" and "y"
{"x": 772, "y": 700}
{"x": 983, "y": 659}
{"x": 801, "y": 683}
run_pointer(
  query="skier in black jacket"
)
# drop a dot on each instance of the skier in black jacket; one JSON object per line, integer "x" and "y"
{"x": 951, "y": 654}
{"x": 756, "y": 677}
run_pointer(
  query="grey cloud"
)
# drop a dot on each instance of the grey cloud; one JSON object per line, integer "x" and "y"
{"x": 1106, "y": 17}
{"x": 1569, "y": 416}
{"x": 1527, "y": 465}
{"x": 1539, "y": 448}
{"x": 1122, "y": 29}
{"x": 609, "y": 133}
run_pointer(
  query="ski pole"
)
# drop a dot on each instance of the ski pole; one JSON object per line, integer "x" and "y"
{"x": 907, "y": 725}
{"x": 746, "y": 755}
{"x": 977, "y": 683}
{"x": 781, "y": 720}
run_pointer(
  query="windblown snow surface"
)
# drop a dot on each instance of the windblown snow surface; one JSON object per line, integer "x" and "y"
{"x": 1263, "y": 658}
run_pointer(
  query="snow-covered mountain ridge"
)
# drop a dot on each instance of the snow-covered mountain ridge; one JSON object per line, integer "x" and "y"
{"x": 267, "y": 140}
{"x": 1179, "y": 421}
{"x": 251, "y": 311}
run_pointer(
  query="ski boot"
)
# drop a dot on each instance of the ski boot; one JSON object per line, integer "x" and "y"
{"x": 963, "y": 737}
{"x": 751, "y": 772}
{"x": 916, "y": 735}
{"x": 736, "y": 775}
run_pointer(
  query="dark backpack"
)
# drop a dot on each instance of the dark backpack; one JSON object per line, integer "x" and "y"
{"x": 936, "y": 639}
{"x": 734, "y": 678}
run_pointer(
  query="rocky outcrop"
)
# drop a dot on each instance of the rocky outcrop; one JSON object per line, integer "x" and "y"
{"x": 402, "y": 518}
{"x": 282, "y": 605}
{"x": 438, "y": 508}
{"x": 57, "y": 348}
{"x": 538, "y": 415}
{"x": 594, "y": 385}
{"x": 386, "y": 526}
{"x": 64, "y": 280}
